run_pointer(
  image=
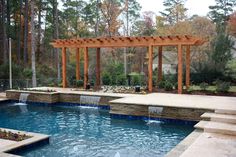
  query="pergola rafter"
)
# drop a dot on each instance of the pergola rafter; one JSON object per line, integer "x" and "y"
{"x": 144, "y": 41}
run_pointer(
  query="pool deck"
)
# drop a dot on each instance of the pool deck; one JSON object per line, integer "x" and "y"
{"x": 9, "y": 145}
{"x": 162, "y": 99}
{"x": 218, "y": 136}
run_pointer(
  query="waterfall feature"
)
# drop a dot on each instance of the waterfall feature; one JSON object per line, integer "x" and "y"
{"x": 90, "y": 100}
{"x": 154, "y": 110}
{"x": 22, "y": 102}
{"x": 23, "y": 98}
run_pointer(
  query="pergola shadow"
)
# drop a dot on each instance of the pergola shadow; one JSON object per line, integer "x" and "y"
{"x": 144, "y": 41}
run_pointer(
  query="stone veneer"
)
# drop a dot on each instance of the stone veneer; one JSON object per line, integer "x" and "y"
{"x": 115, "y": 108}
{"x": 54, "y": 97}
{"x": 167, "y": 112}
{"x": 42, "y": 97}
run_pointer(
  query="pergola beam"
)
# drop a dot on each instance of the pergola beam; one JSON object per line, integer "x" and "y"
{"x": 77, "y": 64}
{"x": 150, "y": 62}
{"x": 180, "y": 69}
{"x": 159, "y": 63}
{"x": 98, "y": 70}
{"x": 187, "y": 67}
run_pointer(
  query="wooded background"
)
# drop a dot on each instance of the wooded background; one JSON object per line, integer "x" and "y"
{"x": 33, "y": 24}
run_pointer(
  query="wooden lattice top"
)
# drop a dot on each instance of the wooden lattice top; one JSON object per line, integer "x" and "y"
{"x": 120, "y": 41}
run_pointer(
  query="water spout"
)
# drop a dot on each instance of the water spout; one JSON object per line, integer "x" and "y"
{"x": 154, "y": 110}
{"x": 22, "y": 102}
{"x": 90, "y": 100}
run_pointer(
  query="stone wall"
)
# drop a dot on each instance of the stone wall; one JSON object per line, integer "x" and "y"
{"x": 55, "y": 97}
{"x": 75, "y": 98}
{"x": 167, "y": 112}
{"x": 42, "y": 97}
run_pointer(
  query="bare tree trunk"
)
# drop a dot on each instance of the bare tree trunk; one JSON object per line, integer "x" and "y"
{"x": 39, "y": 30}
{"x": 97, "y": 18}
{"x": 19, "y": 36}
{"x": 56, "y": 34}
{"x": 34, "y": 83}
{"x": 4, "y": 38}
{"x": 26, "y": 33}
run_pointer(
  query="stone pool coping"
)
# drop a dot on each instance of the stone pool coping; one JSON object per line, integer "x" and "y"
{"x": 7, "y": 146}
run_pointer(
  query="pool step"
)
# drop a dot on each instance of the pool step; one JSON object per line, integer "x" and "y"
{"x": 217, "y": 127}
{"x": 216, "y": 117}
{"x": 221, "y": 111}
{"x": 200, "y": 125}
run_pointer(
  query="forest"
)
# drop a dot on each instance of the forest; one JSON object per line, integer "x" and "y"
{"x": 30, "y": 26}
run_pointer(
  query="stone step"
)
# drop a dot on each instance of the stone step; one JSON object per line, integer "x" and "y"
{"x": 201, "y": 124}
{"x": 216, "y": 117}
{"x": 217, "y": 127}
{"x": 221, "y": 111}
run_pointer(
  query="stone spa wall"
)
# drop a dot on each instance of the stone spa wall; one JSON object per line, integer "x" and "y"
{"x": 190, "y": 114}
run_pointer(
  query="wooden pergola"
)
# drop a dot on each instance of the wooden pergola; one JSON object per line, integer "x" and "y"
{"x": 145, "y": 41}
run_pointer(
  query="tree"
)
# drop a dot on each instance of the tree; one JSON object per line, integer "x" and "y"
{"x": 111, "y": 10}
{"x": 221, "y": 50}
{"x": 34, "y": 83}
{"x": 232, "y": 24}
{"x": 4, "y": 32}
{"x": 175, "y": 11}
{"x": 26, "y": 32}
{"x": 219, "y": 13}
{"x": 222, "y": 43}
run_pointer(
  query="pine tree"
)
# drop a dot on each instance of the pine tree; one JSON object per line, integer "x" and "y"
{"x": 175, "y": 11}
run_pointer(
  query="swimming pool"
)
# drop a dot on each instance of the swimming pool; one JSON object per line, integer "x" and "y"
{"x": 90, "y": 132}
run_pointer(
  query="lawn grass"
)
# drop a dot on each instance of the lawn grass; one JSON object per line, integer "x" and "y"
{"x": 213, "y": 88}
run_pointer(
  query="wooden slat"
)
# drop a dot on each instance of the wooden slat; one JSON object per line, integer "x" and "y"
{"x": 180, "y": 69}
{"x": 159, "y": 63}
{"x": 150, "y": 62}
{"x": 187, "y": 67}
{"x": 77, "y": 64}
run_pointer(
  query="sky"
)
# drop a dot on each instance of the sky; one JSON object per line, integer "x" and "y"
{"x": 199, "y": 7}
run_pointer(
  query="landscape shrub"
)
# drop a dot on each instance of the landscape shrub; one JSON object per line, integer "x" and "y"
{"x": 135, "y": 79}
{"x": 203, "y": 86}
{"x": 121, "y": 80}
{"x": 106, "y": 78}
{"x": 161, "y": 84}
{"x": 222, "y": 87}
{"x": 168, "y": 86}
{"x": 79, "y": 83}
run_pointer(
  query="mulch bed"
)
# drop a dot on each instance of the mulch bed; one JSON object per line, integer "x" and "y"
{"x": 7, "y": 135}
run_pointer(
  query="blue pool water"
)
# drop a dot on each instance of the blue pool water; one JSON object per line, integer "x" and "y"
{"x": 87, "y": 132}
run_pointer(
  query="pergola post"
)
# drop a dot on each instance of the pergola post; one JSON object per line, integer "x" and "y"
{"x": 85, "y": 67}
{"x": 187, "y": 67}
{"x": 159, "y": 64}
{"x": 64, "y": 67}
{"x": 180, "y": 69}
{"x": 77, "y": 64}
{"x": 150, "y": 62}
{"x": 98, "y": 71}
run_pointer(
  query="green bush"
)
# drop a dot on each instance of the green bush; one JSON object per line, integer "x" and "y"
{"x": 203, "y": 86}
{"x": 222, "y": 87}
{"x": 161, "y": 84}
{"x": 27, "y": 73}
{"x": 136, "y": 80}
{"x": 121, "y": 79}
{"x": 168, "y": 86}
{"x": 106, "y": 78}
{"x": 79, "y": 83}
